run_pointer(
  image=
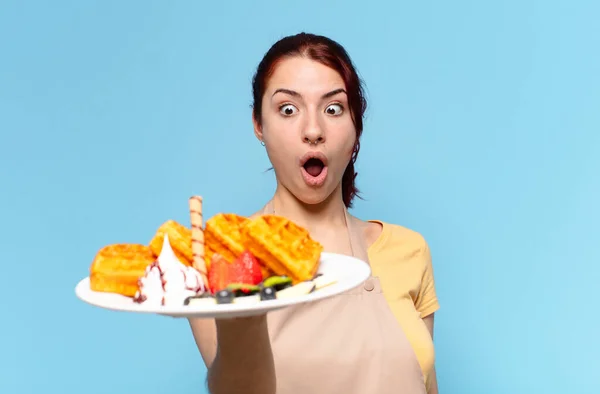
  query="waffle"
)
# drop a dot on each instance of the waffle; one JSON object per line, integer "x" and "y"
{"x": 223, "y": 235}
{"x": 124, "y": 284}
{"x": 117, "y": 268}
{"x": 283, "y": 247}
{"x": 180, "y": 238}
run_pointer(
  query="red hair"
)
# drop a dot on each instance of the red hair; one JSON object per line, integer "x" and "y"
{"x": 332, "y": 55}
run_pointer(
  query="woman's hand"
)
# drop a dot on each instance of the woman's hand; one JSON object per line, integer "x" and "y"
{"x": 237, "y": 353}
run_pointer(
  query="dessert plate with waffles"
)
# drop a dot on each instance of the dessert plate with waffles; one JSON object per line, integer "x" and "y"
{"x": 231, "y": 267}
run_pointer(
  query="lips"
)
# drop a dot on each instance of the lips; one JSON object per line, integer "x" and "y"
{"x": 314, "y": 168}
{"x": 313, "y": 155}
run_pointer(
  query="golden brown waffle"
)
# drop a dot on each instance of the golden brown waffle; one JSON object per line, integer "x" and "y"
{"x": 283, "y": 246}
{"x": 223, "y": 235}
{"x": 126, "y": 285}
{"x": 117, "y": 268}
{"x": 180, "y": 238}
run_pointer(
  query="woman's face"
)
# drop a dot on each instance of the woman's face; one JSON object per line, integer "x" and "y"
{"x": 307, "y": 128}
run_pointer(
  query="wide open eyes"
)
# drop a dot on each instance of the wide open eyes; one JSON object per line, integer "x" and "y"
{"x": 290, "y": 109}
{"x": 334, "y": 109}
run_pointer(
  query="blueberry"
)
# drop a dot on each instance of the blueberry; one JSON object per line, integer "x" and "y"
{"x": 267, "y": 293}
{"x": 224, "y": 297}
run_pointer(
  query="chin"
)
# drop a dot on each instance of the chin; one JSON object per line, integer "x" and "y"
{"x": 313, "y": 196}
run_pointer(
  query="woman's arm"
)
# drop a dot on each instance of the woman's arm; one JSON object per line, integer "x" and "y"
{"x": 433, "y": 386}
{"x": 237, "y": 354}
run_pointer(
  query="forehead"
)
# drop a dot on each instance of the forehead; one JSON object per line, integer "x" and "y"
{"x": 304, "y": 76}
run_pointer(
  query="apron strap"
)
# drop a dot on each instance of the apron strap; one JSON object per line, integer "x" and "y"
{"x": 357, "y": 240}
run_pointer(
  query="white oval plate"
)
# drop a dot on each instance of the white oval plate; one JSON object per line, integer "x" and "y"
{"x": 350, "y": 273}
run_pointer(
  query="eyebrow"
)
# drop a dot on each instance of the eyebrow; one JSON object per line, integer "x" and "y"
{"x": 296, "y": 94}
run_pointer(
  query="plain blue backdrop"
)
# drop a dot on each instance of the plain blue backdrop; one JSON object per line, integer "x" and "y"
{"x": 483, "y": 133}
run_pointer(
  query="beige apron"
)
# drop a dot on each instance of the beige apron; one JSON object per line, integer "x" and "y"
{"x": 350, "y": 343}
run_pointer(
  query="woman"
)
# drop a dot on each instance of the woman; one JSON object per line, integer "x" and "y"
{"x": 308, "y": 114}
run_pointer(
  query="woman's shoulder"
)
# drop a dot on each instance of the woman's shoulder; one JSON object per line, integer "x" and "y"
{"x": 394, "y": 237}
{"x": 401, "y": 258}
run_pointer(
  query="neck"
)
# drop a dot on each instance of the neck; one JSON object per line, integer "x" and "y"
{"x": 330, "y": 212}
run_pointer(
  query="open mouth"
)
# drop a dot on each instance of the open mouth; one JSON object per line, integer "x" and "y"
{"x": 314, "y": 166}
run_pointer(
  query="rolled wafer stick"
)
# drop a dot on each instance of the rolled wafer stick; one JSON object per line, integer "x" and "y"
{"x": 195, "y": 204}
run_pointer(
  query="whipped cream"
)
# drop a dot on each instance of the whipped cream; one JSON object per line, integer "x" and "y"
{"x": 167, "y": 281}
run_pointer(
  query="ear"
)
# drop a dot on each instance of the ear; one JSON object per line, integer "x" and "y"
{"x": 257, "y": 129}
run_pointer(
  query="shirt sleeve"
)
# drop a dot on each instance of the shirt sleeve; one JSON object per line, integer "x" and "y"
{"x": 427, "y": 302}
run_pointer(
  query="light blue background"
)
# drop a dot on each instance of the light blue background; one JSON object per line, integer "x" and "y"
{"x": 483, "y": 133}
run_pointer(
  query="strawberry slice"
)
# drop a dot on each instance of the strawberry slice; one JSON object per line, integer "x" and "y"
{"x": 252, "y": 267}
{"x": 219, "y": 274}
{"x": 246, "y": 269}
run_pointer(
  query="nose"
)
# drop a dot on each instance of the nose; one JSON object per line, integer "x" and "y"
{"x": 313, "y": 132}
